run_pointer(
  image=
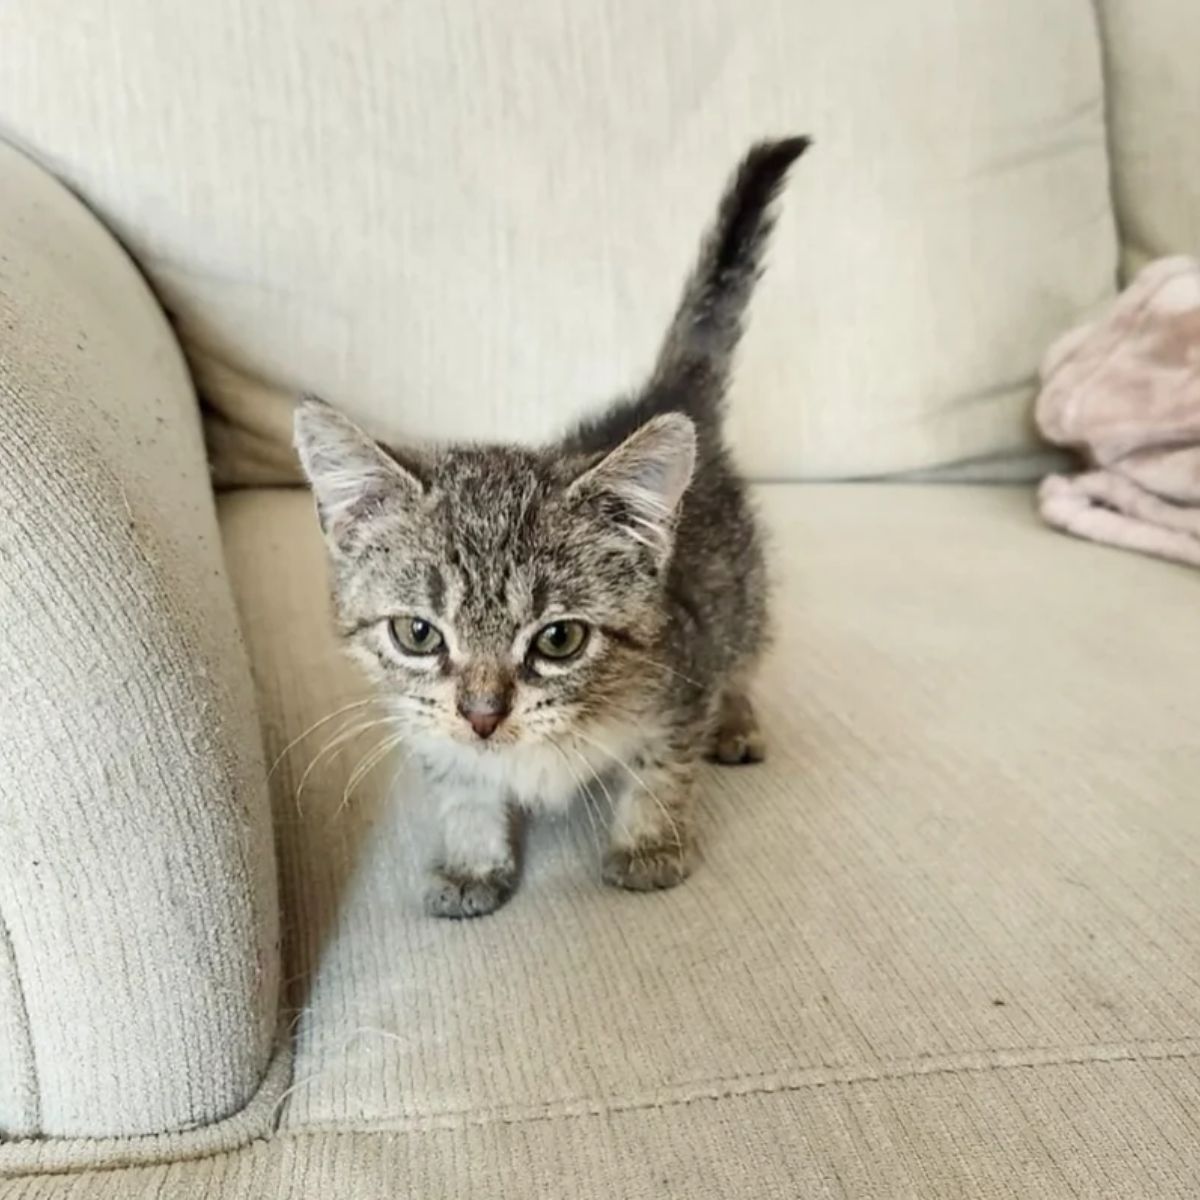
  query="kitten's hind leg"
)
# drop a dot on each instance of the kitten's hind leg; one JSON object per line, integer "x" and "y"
{"x": 738, "y": 737}
{"x": 479, "y": 867}
{"x": 651, "y": 842}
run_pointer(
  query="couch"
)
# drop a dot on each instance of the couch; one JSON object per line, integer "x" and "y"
{"x": 945, "y": 942}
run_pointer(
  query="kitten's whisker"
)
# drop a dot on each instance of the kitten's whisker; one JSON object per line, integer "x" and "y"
{"x": 339, "y": 739}
{"x": 613, "y": 812}
{"x": 384, "y": 748}
{"x": 678, "y": 674}
{"x": 640, "y": 715}
{"x": 329, "y": 748}
{"x": 599, "y": 779}
{"x": 588, "y": 800}
{"x": 317, "y": 725}
{"x": 366, "y": 765}
{"x": 654, "y": 544}
{"x": 675, "y": 833}
{"x": 396, "y": 703}
{"x": 348, "y": 733}
{"x": 583, "y": 793}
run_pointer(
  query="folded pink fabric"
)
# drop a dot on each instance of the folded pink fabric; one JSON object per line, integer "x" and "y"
{"x": 1124, "y": 391}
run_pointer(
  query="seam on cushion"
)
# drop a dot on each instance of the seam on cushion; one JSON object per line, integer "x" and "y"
{"x": 732, "y": 1092}
{"x": 28, "y": 1056}
{"x": 806, "y": 1079}
{"x": 1103, "y": 44}
{"x": 72, "y": 1156}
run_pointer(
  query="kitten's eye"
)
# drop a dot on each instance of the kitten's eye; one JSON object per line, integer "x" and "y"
{"x": 415, "y": 636}
{"x": 563, "y": 639}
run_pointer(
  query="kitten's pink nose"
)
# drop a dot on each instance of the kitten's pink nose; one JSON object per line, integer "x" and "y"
{"x": 483, "y": 723}
{"x": 483, "y": 719}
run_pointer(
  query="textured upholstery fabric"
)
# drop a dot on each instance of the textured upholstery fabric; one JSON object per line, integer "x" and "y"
{"x": 1090, "y": 1131}
{"x": 943, "y": 943}
{"x": 1153, "y": 102}
{"x": 474, "y": 217}
{"x": 138, "y": 921}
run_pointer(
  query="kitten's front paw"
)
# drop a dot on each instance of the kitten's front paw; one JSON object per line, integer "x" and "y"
{"x": 456, "y": 893}
{"x": 646, "y": 868}
{"x": 738, "y": 738}
{"x": 736, "y": 747}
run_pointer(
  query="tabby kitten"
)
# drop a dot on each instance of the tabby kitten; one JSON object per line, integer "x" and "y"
{"x": 585, "y": 613}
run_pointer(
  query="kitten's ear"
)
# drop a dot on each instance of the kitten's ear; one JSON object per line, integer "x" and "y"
{"x": 349, "y": 472}
{"x": 650, "y": 471}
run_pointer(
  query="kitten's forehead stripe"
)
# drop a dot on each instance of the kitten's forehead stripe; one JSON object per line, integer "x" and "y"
{"x": 539, "y": 595}
{"x": 436, "y": 587}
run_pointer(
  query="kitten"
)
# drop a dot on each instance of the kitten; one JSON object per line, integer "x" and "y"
{"x": 588, "y": 613}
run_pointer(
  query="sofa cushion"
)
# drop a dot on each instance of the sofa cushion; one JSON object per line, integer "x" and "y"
{"x": 474, "y": 218}
{"x": 988, "y": 1132}
{"x": 1153, "y": 100}
{"x": 950, "y": 924}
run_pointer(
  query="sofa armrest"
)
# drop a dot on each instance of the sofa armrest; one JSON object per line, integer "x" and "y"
{"x": 139, "y": 956}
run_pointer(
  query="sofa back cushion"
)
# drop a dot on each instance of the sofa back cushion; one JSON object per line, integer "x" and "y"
{"x": 1151, "y": 51}
{"x": 472, "y": 219}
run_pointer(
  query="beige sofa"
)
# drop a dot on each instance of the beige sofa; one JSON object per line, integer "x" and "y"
{"x": 945, "y": 943}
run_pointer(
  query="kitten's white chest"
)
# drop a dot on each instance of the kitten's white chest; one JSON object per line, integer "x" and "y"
{"x": 540, "y": 776}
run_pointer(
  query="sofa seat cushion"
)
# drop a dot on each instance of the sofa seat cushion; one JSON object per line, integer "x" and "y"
{"x": 955, "y": 912}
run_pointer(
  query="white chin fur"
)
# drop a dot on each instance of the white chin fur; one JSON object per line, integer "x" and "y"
{"x": 535, "y": 774}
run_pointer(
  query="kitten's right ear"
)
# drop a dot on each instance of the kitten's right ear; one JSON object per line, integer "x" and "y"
{"x": 349, "y": 472}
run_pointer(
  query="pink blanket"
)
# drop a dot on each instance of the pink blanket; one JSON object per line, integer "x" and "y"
{"x": 1124, "y": 392}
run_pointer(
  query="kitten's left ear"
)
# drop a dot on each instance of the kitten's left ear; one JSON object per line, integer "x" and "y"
{"x": 650, "y": 471}
{"x": 350, "y": 473}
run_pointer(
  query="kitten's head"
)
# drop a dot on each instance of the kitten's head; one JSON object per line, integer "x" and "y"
{"x": 500, "y": 597}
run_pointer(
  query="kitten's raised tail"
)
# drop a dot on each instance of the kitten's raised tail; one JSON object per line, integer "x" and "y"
{"x": 697, "y": 353}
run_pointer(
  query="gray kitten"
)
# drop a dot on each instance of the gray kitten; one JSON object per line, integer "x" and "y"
{"x": 587, "y": 613}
